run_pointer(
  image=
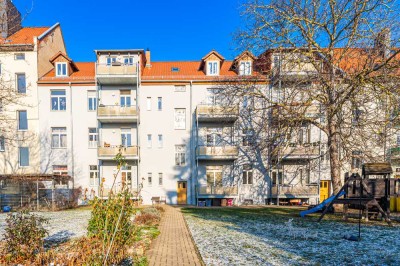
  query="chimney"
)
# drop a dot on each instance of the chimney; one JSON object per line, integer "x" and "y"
{"x": 148, "y": 62}
{"x": 382, "y": 42}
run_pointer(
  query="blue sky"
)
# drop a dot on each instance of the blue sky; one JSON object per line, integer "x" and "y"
{"x": 173, "y": 30}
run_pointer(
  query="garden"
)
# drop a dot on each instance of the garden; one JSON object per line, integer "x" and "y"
{"x": 279, "y": 236}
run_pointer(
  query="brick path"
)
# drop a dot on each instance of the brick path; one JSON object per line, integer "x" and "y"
{"x": 174, "y": 245}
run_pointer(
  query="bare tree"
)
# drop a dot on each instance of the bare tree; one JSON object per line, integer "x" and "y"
{"x": 331, "y": 65}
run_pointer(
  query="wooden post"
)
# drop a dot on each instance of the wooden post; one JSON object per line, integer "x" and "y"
{"x": 37, "y": 194}
{"x": 53, "y": 207}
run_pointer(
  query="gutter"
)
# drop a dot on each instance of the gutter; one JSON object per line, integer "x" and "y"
{"x": 48, "y": 31}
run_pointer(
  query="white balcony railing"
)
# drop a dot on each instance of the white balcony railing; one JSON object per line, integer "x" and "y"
{"x": 116, "y": 111}
{"x": 217, "y": 190}
{"x": 116, "y": 69}
{"x": 112, "y": 151}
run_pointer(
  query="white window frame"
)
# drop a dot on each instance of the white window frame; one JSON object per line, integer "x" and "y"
{"x": 17, "y": 81}
{"x": 19, "y": 120}
{"x": 94, "y": 180}
{"x": 128, "y": 61}
{"x": 212, "y": 68}
{"x": 247, "y": 174}
{"x": 59, "y": 133}
{"x": 148, "y": 103}
{"x": 110, "y": 60}
{"x": 160, "y": 179}
{"x": 159, "y": 103}
{"x": 93, "y": 138}
{"x": 59, "y": 98}
{"x": 180, "y": 88}
{"x": 61, "y": 69}
{"x": 160, "y": 139}
{"x": 62, "y": 170}
{"x": 19, "y": 56}
{"x": 126, "y": 137}
{"x": 19, "y": 157}
{"x": 92, "y": 100}
{"x": 245, "y": 68}
{"x": 149, "y": 141}
{"x": 180, "y": 155}
{"x": 127, "y": 169}
{"x": 180, "y": 119}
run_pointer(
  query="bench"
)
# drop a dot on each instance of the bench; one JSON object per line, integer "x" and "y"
{"x": 158, "y": 200}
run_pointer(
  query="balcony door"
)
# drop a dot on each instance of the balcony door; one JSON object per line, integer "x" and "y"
{"x": 214, "y": 176}
{"x": 126, "y": 137}
{"x": 125, "y": 98}
{"x": 126, "y": 177}
{"x": 214, "y": 137}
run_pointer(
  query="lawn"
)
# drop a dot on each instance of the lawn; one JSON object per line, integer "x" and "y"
{"x": 267, "y": 236}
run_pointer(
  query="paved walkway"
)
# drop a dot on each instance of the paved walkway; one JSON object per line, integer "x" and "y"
{"x": 174, "y": 245}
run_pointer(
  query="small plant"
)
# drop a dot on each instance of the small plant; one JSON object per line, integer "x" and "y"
{"x": 24, "y": 235}
{"x": 147, "y": 218}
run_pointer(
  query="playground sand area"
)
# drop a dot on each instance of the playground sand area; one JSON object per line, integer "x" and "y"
{"x": 279, "y": 236}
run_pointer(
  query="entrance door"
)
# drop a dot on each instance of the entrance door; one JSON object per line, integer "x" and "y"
{"x": 182, "y": 192}
{"x": 323, "y": 190}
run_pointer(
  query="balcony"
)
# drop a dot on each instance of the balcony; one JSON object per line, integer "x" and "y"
{"x": 217, "y": 153}
{"x": 217, "y": 113}
{"x": 296, "y": 151}
{"x": 394, "y": 153}
{"x": 295, "y": 191}
{"x": 294, "y": 112}
{"x": 117, "y": 114}
{"x": 212, "y": 191}
{"x": 116, "y": 73}
{"x": 109, "y": 152}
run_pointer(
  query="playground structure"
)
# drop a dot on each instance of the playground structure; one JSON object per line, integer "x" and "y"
{"x": 371, "y": 192}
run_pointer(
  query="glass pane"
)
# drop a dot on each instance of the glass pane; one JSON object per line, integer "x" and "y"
{"x": 54, "y": 103}
{"x": 22, "y": 120}
{"x": 55, "y": 141}
{"x": 21, "y": 83}
{"x": 63, "y": 141}
{"x": 63, "y": 103}
{"x": 128, "y": 101}
{"x": 122, "y": 101}
{"x": 24, "y": 156}
{"x": 57, "y": 92}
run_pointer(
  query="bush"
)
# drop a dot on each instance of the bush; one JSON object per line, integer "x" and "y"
{"x": 24, "y": 235}
{"x": 160, "y": 208}
{"x": 111, "y": 224}
{"x": 147, "y": 219}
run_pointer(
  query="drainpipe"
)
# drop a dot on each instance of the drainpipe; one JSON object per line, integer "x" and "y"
{"x": 138, "y": 179}
{"x": 192, "y": 190}
{"x": 72, "y": 137}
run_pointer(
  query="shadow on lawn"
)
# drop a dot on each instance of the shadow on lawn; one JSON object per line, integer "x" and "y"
{"x": 323, "y": 243}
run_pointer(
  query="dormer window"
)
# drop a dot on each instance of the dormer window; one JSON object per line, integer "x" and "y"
{"x": 212, "y": 68}
{"x": 61, "y": 69}
{"x": 128, "y": 61}
{"x": 245, "y": 68}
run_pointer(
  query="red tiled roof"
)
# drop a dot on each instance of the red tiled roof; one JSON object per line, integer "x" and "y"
{"x": 85, "y": 72}
{"x": 187, "y": 70}
{"x": 24, "y": 36}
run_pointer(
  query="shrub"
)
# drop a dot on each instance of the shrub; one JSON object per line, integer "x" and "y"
{"x": 24, "y": 235}
{"x": 160, "y": 208}
{"x": 147, "y": 218}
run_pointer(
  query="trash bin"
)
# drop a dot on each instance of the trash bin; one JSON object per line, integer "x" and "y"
{"x": 398, "y": 203}
{"x": 229, "y": 202}
{"x": 393, "y": 204}
{"x": 6, "y": 209}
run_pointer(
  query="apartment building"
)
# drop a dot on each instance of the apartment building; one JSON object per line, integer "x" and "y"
{"x": 24, "y": 54}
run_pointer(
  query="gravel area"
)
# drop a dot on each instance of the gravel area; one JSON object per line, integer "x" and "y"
{"x": 243, "y": 237}
{"x": 62, "y": 225}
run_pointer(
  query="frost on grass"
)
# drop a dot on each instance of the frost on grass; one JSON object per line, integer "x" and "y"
{"x": 224, "y": 238}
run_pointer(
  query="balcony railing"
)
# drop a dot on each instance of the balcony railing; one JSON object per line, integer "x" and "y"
{"x": 217, "y": 112}
{"x": 294, "y": 111}
{"x": 295, "y": 190}
{"x": 297, "y": 151}
{"x": 116, "y": 111}
{"x": 211, "y": 190}
{"x": 395, "y": 153}
{"x": 112, "y": 151}
{"x": 216, "y": 152}
{"x": 116, "y": 69}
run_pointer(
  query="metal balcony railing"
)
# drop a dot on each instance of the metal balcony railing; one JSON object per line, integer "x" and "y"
{"x": 116, "y": 111}
{"x": 217, "y": 190}
{"x": 112, "y": 151}
{"x": 116, "y": 69}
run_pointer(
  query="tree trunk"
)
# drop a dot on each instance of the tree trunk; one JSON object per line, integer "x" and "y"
{"x": 333, "y": 144}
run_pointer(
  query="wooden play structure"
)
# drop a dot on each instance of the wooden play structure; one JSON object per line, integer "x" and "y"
{"x": 370, "y": 192}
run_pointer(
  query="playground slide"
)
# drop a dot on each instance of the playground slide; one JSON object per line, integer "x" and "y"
{"x": 320, "y": 206}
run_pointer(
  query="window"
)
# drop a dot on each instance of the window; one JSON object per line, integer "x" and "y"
{"x": 305, "y": 175}
{"x": 245, "y": 68}
{"x": 58, "y": 100}
{"x": 180, "y": 118}
{"x": 356, "y": 161}
{"x": 2, "y": 143}
{"x": 212, "y": 68}
{"x": 356, "y": 116}
{"x": 126, "y": 176}
{"x": 126, "y": 137}
{"x": 274, "y": 176}
{"x": 149, "y": 141}
{"x": 159, "y": 103}
{"x": 247, "y": 174}
{"x": 58, "y": 137}
{"x": 61, "y": 69}
{"x": 180, "y": 155}
{"x": 92, "y": 101}
{"x": 148, "y": 103}
{"x": 214, "y": 96}
{"x": 93, "y": 175}
{"x": 93, "y": 137}
{"x": 23, "y": 156}
{"x": 214, "y": 175}
{"x": 149, "y": 179}
{"x": 111, "y": 60}
{"x": 304, "y": 135}
{"x": 214, "y": 137}
{"x": 180, "y": 88}
{"x": 128, "y": 61}
{"x": 398, "y": 139}
{"x": 0, "y": 68}
{"x": 125, "y": 98}
{"x": 21, "y": 82}
{"x": 248, "y": 137}
{"x": 160, "y": 141}
{"x": 160, "y": 179}
{"x": 22, "y": 120}
{"x": 1, "y": 105}
{"x": 60, "y": 170}
{"x": 19, "y": 56}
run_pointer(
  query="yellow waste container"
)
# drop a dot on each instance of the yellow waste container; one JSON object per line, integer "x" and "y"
{"x": 398, "y": 203}
{"x": 393, "y": 204}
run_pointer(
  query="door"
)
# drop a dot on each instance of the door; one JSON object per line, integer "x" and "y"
{"x": 323, "y": 190}
{"x": 182, "y": 192}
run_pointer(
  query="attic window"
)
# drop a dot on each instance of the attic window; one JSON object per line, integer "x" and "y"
{"x": 245, "y": 68}
{"x": 175, "y": 69}
{"x": 212, "y": 68}
{"x": 61, "y": 69}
